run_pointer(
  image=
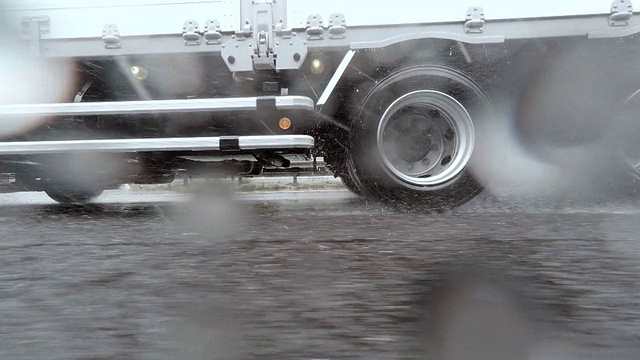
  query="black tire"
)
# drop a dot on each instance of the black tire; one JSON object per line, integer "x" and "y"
{"x": 573, "y": 115}
{"x": 379, "y": 178}
{"x": 568, "y": 113}
{"x": 67, "y": 195}
{"x": 349, "y": 184}
{"x": 351, "y": 181}
{"x": 74, "y": 178}
{"x": 627, "y": 151}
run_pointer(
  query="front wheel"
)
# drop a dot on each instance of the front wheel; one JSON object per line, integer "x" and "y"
{"x": 414, "y": 137}
{"x": 65, "y": 195}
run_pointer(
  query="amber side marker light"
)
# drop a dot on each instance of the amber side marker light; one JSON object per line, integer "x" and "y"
{"x": 284, "y": 123}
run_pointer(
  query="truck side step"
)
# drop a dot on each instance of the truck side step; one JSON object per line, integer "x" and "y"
{"x": 158, "y": 106}
{"x": 185, "y": 144}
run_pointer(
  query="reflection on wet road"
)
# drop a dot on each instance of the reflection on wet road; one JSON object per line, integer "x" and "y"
{"x": 314, "y": 275}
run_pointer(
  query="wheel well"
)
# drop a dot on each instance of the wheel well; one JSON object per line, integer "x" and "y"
{"x": 412, "y": 51}
{"x": 370, "y": 66}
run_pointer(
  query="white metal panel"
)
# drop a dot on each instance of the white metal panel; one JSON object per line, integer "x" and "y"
{"x": 70, "y": 4}
{"x": 391, "y": 12}
{"x": 85, "y": 18}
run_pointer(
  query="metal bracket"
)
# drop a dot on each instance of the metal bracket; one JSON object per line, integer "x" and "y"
{"x": 337, "y": 26}
{"x": 111, "y": 36}
{"x": 315, "y": 31}
{"x": 82, "y": 91}
{"x": 263, "y": 50}
{"x": 281, "y": 31}
{"x": 190, "y": 33}
{"x": 264, "y": 42}
{"x": 42, "y": 23}
{"x": 212, "y": 32}
{"x": 246, "y": 32}
{"x": 474, "y": 21}
{"x": 621, "y": 12}
{"x": 33, "y": 27}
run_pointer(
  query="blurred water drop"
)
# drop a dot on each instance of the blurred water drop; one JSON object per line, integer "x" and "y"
{"x": 212, "y": 211}
{"x": 27, "y": 78}
{"x": 472, "y": 314}
{"x": 214, "y": 331}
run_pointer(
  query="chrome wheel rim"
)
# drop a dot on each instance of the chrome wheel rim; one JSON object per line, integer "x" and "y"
{"x": 425, "y": 138}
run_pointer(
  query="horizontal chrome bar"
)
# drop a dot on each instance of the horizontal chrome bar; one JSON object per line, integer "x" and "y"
{"x": 225, "y": 143}
{"x": 155, "y": 106}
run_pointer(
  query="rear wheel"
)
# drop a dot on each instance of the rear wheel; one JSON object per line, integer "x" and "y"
{"x": 628, "y": 151}
{"x": 571, "y": 110}
{"x": 413, "y": 138}
{"x": 576, "y": 113}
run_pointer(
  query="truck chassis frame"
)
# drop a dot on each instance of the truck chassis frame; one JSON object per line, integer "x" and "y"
{"x": 272, "y": 82}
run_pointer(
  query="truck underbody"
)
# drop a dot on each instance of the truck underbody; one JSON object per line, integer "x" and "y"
{"x": 401, "y": 109}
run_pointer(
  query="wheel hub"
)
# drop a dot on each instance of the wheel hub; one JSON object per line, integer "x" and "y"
{"x": 411, "y": 138}
{"x": 425, "y": 138}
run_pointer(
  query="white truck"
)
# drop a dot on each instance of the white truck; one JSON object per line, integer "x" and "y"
{"x": 398, "y": 97}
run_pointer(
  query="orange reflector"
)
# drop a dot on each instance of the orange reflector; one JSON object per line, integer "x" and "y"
{"x": 284, "y": 123}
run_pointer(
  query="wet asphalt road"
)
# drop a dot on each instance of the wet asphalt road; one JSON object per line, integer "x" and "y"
{"x": 314, "y": 275}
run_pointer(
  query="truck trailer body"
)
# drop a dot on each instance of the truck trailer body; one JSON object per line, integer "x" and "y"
{"x": 399, "y": 98}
